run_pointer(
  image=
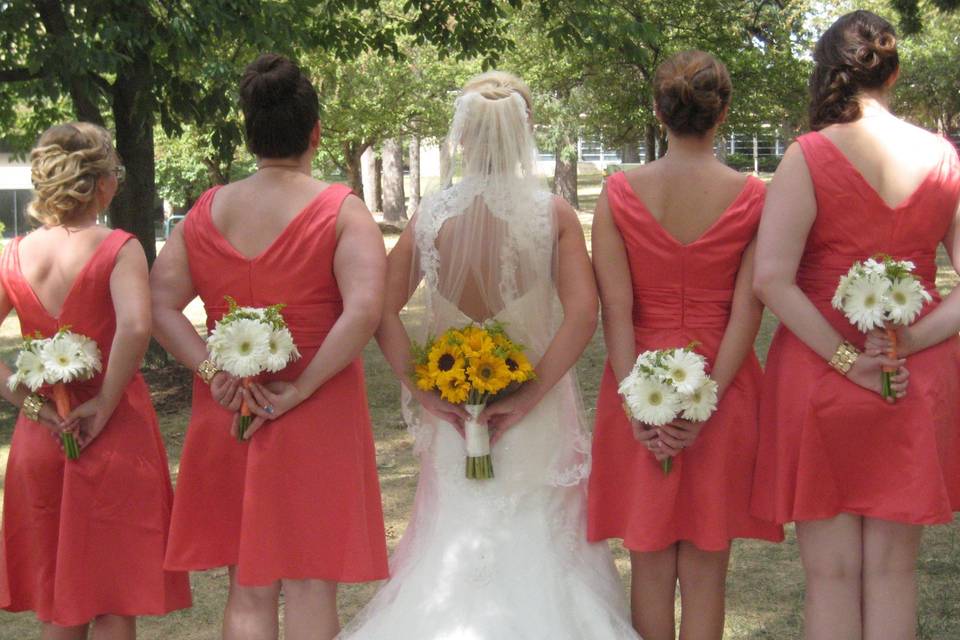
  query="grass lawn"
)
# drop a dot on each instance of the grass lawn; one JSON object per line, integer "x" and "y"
{"x": 765, "y": 586}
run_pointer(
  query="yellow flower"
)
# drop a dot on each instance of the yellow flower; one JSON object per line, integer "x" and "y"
{"x": 476, "y": 342}
{"x": 488, "y": 373}
{"x": 443, "y": 358}
{"x": 453, "y": 386}
{"x": 520, "y": 368}
{"x": 425, "y": 380}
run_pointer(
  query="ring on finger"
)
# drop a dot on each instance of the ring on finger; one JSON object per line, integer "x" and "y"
{"x": 268, "y": 408}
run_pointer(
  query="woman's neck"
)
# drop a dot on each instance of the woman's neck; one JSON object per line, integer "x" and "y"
{"x": 688, "y": 148}
{"x": 302, "y": 164}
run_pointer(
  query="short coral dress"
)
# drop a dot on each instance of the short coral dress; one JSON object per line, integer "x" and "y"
{"x": 682, "y": 293}
{"x": 301, "y": 499}
{"x": 827, "y": 445}
{"x": 86, "y": 537}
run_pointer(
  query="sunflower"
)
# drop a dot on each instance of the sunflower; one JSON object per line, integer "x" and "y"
{"x": 443, "y": 358}
{"x": 425, "y": 380}
{"x": 520, "y": 368}
{"x": 488, "y": 373}
{"x": 453, "y": 386}
{"x": 476, "y": 342}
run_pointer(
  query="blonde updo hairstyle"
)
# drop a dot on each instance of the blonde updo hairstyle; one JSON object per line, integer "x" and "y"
{"x": 499, "y": 85}
{"x": 692, "y": 91}
{"x": 65, "y": 167}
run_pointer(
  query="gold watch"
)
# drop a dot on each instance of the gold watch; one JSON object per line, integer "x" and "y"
{"x": 206, "y": 370}
{"x": 31, "y": 406}
{"x": 844, "y": 357}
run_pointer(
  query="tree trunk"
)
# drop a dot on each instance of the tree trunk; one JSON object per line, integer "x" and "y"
{"x": 630, "y": 154}
{"x": 414, "y": 175}
{"x": 650, "y": 142}
{"x": 394, "y": 202}
{"x": 371, "y": 179}
{"x": 352, "y": 157}
{"x": 379, "y": 183}
{"x": 661, "y": 142}
{"x": 565, "y": 171}
{"x": 721, "y": 147}
{"x": 136, "y": 206}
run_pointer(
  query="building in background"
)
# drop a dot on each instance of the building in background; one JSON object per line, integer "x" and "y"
{"x": 15, "y": 193}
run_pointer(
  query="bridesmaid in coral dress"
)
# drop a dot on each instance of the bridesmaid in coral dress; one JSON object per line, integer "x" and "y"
{"x": 858, "y": 475}
{"x": 83, "y": 540}
{"x": 296, "y": 507}
{"x": 674, "y": 267}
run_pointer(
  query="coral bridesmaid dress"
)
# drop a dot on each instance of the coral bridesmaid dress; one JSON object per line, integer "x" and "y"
{"x": 86, "y": 537}
{"x": 682, "y": 293}
{"x": 301, "y": 499}
{"x": 827, "y": 445}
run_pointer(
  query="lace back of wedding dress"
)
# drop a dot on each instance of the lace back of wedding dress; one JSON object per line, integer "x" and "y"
{"x": 486, "y": 250}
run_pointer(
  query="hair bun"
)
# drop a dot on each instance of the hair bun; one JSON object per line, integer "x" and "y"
{"x": 691, "y": 90}
{"x": 857, "y": 52}
{"x": 269, "y": 80}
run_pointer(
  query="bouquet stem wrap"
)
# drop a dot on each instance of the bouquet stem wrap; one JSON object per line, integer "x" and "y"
{"x": 477, "y": 438}
{"x": 667, "y": 466}
{"x": 889, "y": 371}
{"x": 62, "y": 401}
{"x": 245, "y": 416}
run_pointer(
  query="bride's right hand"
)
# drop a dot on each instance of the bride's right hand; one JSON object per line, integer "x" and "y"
{"x": 867, "y": 372}
{"x": 440, "y": 408}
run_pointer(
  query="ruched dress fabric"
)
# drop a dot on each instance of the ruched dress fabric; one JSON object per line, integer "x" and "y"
{"x": 301, "y": 498}
{"x": 86, "y": 537}
{"x": 682, "y": 295}
{"x": 829, "y": 446}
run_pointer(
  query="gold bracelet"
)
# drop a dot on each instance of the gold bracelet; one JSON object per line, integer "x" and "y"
{"x": 844, "y": 357}
{"x": 206, "y": 370}
{"x": 31, "y": 406}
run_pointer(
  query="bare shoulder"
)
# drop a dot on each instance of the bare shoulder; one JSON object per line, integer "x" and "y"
{"x": 566, "y": 217}
{"x": 355, "y": 216}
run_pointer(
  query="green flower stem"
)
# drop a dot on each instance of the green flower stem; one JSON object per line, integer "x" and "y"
{"x": 242, "y": 426}
{"x": 887, "y": 389}
{"x": 479, "y": 467}
{"x": 667, "y": 465}
{"x": 70, "y": 448}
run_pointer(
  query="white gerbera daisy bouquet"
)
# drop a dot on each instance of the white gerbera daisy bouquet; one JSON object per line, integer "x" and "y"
{"x": 57, "y": 361}
{"x": 880, "y": 292}
{"x": 668, "y": 384}
{"x": 248, "y": 341}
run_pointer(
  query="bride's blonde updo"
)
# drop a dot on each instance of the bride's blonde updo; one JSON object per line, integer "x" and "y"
{"x": 65, "y": 166}
{"x": 499, "y": 85}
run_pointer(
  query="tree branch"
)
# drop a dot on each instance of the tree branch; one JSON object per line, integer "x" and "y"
{"x": 21, "y": 74}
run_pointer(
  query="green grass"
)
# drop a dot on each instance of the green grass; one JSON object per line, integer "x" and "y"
{"x": 765, "y": 585}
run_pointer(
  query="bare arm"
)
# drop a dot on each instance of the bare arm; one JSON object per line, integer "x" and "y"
{"x": 392, "y": 336}
{"x": 130, "y": 292}
{"x": 788, "y": 215}
{"x": 944, "y": 321}
{"x": 577, "y": 291}
{"x": 612, "y": 269}
{"x": 359, "y": 266}
{"x": 741, "y": 332}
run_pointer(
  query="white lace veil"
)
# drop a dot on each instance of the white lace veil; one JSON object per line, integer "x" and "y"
{"x": 486, "y": 243}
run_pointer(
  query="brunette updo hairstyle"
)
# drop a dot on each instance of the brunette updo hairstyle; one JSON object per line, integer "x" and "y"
{"x": 857, "y": 52}
{"x": 65, "y": 166}
{"x": 691, "y": 90}
{"x": 280, "y": 107}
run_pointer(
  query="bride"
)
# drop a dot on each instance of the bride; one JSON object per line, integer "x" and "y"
{"x": 505, "y": 557}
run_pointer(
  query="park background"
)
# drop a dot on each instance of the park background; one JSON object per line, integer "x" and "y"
{"x": 163, "y": 76}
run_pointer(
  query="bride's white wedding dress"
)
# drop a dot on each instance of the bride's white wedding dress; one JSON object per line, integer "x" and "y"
{"x": 505, "y": 558}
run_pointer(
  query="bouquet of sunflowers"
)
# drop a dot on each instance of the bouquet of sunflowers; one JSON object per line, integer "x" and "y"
{"x": 472, "y": 365}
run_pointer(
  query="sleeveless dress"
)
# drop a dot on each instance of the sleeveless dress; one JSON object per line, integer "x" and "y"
{"x": 682, "y": 293}
{"x": 86, "y": 537}
{"x": 301, "y": 499}
{"x": 505, "y": 557}
{"x": 827, "y": 445}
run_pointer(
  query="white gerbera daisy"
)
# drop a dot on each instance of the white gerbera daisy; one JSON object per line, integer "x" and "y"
{"x": 63, "y": 359}
{"x": 685, "y": 370}
{"x": 700, "y": 405}
{"x": 873, "y": 267}
{"x": 282, "y": 350}
{"x": 30, "y": 371}
{"x": 905, "y": 300}
{"x": 865, "y": 305}
{"x": 652, "y": 402}
{"x": 841, "y": 292}
{"x": 90, "y": 354}
{"x": 241, "y": 347}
